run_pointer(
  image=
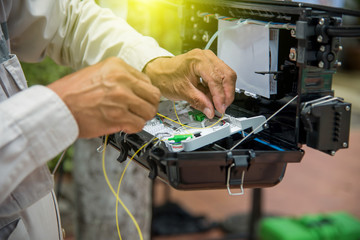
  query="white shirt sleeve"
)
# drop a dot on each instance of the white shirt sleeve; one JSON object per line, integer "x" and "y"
{"x": 77, "y": 33}
{"x": 35, "y": 126}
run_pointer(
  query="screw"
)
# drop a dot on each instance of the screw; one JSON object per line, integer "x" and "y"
{"x": 321, "y": 64}
{"x": 266, "y": 126}
{"x": 330, "y": 57}
{"x": 293, "y": 32}
{"x": 338, "y": 64}
{"x": 332, "y": 153}
{"x": 322, "y": 48}
{"x": 347, "y": 108}
{"x": 319, "y": 38}
{"x": 345, "y": 145}
{"x": 322, "y": 21}
{"x": 340, "y": 48}
{"x": 292, "y": 56}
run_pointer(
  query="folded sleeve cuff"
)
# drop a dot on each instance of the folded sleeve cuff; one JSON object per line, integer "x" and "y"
{"x": 44, "y": 120}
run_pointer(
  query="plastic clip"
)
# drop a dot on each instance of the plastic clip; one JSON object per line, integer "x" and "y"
{"x": 228, "y": 182}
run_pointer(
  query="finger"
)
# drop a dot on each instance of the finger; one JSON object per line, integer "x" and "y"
{"x": 132, "y": 124}
{"x": 121, "y": 65}
{"x": 147, "y": 92}
{"x": 228, "y": 77}
{"x": 214, "y": 80}
{"x": 120, "y": 119}
{"x": 142, "y": 109}
{"x": 200, "y": 101}
{"x": 122, "y": 100}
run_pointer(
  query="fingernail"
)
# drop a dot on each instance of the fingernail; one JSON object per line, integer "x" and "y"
{"x": 224, "y": 108}
{"x": 207, "y": 112}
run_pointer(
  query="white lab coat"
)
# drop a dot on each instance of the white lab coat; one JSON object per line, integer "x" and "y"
{"x": 35, "y": 124}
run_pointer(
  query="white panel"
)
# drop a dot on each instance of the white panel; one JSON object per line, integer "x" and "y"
{"x": 246, "y": 49}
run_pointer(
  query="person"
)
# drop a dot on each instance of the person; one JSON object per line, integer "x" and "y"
{"x": 119, "y": 78}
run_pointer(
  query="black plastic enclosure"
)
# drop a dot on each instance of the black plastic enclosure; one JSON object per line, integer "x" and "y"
{"x": 262, "y": 159}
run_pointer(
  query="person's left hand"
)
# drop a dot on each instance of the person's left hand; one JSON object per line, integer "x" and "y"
{"x": 178, "y": 78}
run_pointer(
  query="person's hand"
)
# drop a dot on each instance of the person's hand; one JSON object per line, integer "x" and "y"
{"x": 178, "y": 78}
{"x": 108, "y": 97}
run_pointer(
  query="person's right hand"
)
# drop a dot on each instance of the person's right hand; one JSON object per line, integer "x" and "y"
{"x": 108, "y": 97}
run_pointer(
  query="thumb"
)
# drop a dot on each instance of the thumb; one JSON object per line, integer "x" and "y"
{"x": 201, "y": 102}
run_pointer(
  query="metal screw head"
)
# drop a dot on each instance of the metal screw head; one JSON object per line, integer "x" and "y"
{"x": 292, "y": 54}
{"x": 266, "y": 126}
{"x": 332, "y": 153}
{"x": 293, "y": 32}
{"x": 321, "y": 64}
{"x": 338, "y": 64}
{"x": 340, "y": 48}
{"x": 347, "y": 108}
{"x": 322, "y": 21}
{"x": 330, "y": 57}
{"x": 319, "y": 38}
{"x": 345, "y": 145}
{"x": 322, "y": 48}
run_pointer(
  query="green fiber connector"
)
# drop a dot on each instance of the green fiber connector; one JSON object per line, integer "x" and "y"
{"x": 181, "y": 137}
{"x": 197, "y": 115}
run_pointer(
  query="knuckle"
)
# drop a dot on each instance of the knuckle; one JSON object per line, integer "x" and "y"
{"x": 196, "y": 51}
{"x": 156, "y": 94}
{"x": 196, "y": 102}
{"x": 149, "y": 113}
{"x": 232, "y": 74}
{"x": 135, "y": 127}
{"x": 209, "y": 52}
{"x": 114, "y": 114}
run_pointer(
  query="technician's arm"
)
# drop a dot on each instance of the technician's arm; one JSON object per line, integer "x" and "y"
{"x": 86, "y": 34}
{"x": 36, "y": 125}
{"x": 78, "y": 33}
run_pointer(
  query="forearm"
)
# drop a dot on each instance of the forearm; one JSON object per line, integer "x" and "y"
{"x": 88, "y": 34}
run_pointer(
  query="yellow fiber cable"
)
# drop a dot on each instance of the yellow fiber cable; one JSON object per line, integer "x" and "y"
{"x": 159, "y": 114}
{"x": 118, "y": 200}
{"x": 116, "y": 194}
{"x": 118, "y": 190}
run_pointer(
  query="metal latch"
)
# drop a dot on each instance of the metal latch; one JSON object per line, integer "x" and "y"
{"x": 239, "y": 161}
